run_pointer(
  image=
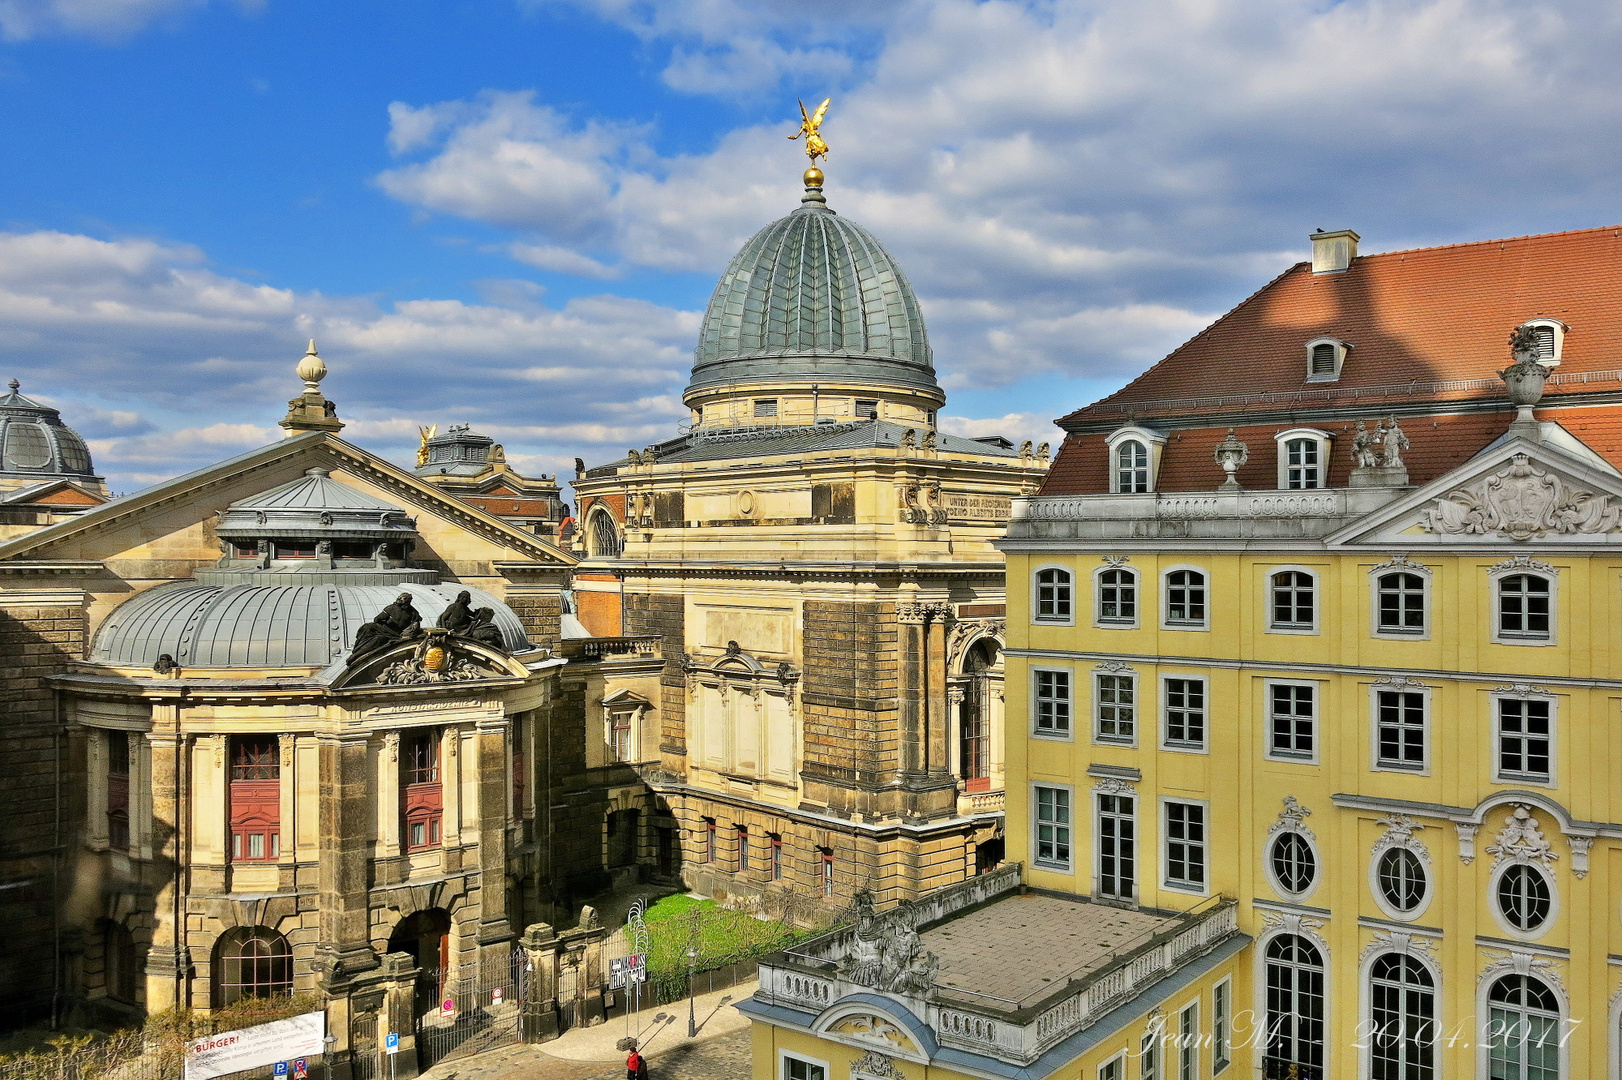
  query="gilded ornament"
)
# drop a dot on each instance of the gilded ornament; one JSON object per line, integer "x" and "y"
{"x": 815, "y": 147}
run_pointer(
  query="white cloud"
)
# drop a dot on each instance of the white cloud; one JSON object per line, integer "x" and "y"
{"x": 1016, "y": 427}
{"x": 104, "y": 20}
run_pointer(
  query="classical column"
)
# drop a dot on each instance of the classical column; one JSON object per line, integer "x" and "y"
{"x": 940, "y": 762}
{"x": 168, "y": 963}
{"x": 490, "y": 750}
{"x": 345, "y": 943}
{"x": 913, "y": 693}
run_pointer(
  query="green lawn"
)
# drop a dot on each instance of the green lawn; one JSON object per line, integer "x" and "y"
{"x": 725, "y": 936}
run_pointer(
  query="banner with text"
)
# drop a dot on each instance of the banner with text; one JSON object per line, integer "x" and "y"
{"x": 250, "y": 1048}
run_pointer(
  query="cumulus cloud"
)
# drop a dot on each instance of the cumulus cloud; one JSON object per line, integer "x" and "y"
{"x": 103, "y": 20}
{"x": 1073, "y": 186}
{"x": 167, "y": 365}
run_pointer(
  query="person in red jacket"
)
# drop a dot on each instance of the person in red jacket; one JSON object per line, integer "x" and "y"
{"x": 636, "y": 1067}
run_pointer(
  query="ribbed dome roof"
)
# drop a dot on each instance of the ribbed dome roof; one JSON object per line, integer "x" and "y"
{"x": 251, "y": 625}
{"x": 35, "y": 443}
{"x": 813, "y": 295}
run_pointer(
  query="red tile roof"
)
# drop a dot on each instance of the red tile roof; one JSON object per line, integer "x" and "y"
{"x": 1414, "y": 319}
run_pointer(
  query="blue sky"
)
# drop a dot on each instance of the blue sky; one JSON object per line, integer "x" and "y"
{"x": 510, "y": 212}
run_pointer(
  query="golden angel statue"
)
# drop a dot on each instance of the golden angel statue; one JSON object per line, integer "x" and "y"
{"x": 810, "y": 124}
{"x": 422, "y": 450}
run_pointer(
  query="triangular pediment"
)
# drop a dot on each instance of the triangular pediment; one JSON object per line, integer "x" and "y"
{"x": 1516, "y": 492}
{"x": 154, "y": 533}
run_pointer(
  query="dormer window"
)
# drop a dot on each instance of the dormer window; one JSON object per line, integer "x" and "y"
{"x": 766, "y": 407}
{"x": 1325, "y": 355}
{"x": 1134, "y": 460}
{"x": 1303, "y": 459}
{"x": 867, "y": 408}
{"x": 295, "y": 549}
{"x": 1551, "y": 336}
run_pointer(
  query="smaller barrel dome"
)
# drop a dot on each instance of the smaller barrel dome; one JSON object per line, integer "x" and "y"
{"x": 459, "y": 451}
{"x": 36, "y": 445}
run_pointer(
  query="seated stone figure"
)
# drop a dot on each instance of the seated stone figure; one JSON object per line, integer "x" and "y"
{"x": 400, "y": 621}
{"x": 458, "y": 616}
{"x": 485, "y": 630}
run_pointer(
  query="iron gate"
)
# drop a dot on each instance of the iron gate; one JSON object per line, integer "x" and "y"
{"x": 471, "y": 1008}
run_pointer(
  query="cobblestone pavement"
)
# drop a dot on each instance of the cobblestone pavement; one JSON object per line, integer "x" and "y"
{"x": 725, "y": 1057}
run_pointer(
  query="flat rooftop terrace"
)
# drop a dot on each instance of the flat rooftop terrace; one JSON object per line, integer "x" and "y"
{"x": 1023, "y": 947}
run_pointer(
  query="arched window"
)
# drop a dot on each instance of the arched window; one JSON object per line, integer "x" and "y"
{"x": 1523, "y": 607}
{"x": 602, "y": 539}
{"x": 1185, "y": 598}
{"x": 1117, "y": 596}
{"x": 1402, "y": 1015}
{"x": 1400, "y": 603}
{"x": 1053, "y": 595}
{"x": 1294, "y": 601}
{"x": 251, "y": 961}
{"x": 1524, "y": 897}
{"x": 1523, "y": 1030}
{"x": 1294, "y": 865}
{"x": 121, "y": 962}
{"x": 1295, "y": 1009}
{"x": 1131, "y": 467}
{"x": 1303, "y": 465}
{"x": 1402, "y": 879}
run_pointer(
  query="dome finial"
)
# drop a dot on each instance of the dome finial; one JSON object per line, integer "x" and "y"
{"x": 311, "y": 411}
{"x": 15, "y": 385}
{"x": 813, "y": 188}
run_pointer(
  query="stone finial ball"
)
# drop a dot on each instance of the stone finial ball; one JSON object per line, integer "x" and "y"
{"x": 312, "y": 369}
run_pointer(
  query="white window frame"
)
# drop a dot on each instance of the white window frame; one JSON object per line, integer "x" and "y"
{"x": 1341, "y": 348}
{"x": 1166, "y": 881}
{"x": 1116, "y": 623}
{"x": 1098, "y": 845}
{"x": 1563, "y": 1025}
{"x": 1511, "y": 569}
{"x": 1317, "y": 721}
{"x": 1317, "y": 601}
{"x": 1281, "y": 442}
{"x": 1166, "y": 622}
{"x": 1116, "y": 1063}
{"x": 1365, "y": 991}
{"x": 1188, "y": 1048}
{"x": 1425, "y": 692}
{"x": 1037, "y": 732}
{"x": 1151, "y": 1049}
{"x": 1425, "y": 574}
{"x": 1272, "y": 875}
{"x": 1204, "y": 745}
{"x": 1522, "y": 779}
{"x": 1099, "y": 738}
{"x": 1509, "y": 928}
{"x": 783, "y": 1057}
{"x": 1068, "y": 867}
{"x": 1221, "y": 1024}
{"x": 1419, "y": 851}
{"x": 1038, "y": 619}
{"x": 1559, "y": 329}
{"x": 1153, "y": 442}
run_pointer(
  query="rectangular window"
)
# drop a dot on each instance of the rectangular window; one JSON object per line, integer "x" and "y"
{"x": 1400, "y": 603}
{"x": 1117, "y": 596}
{"x": 1117, "y": 847}
{"x": 1302, "y": 464}
{"x": 827, "y": 871}
{"x": 1149, "y": 1051}
{"x": 1292, "y": 720}
{"x": 1113, "y": 1069}
{"x": 295, "y": 549}
{"x": 1116, "y": 712}
{"x": 766, "y": 407}
{"x": 1188, "y": 1043}
{"x": 1293, "y": 602}
{"x": 1185, "y": 845}
{"x": 118, "y": 790}
{"x": 1399, "y": 729}
{"x": 743, "y": 850}
{"x": 1220, "y": 1008}
{"x": 421, "y": 794}
{"x": 1053, "y": 827}
{"x": 709, "y": 840}
{"x": 1525, "y": 739}
{"x": 255, "y": 797}
{"x": 1052, "y": 702}
{"x": 1184, "y": 702}
{"x": 620, "y": 733}
{"x": 1185, "y": 598}
{"x": 796, "y": 1069}
{"x": 249, "y": 550}
{"x": 1053, "y": 595}
{"x": 775, "y": 868}
{"x": 866, "y": 408}
{"x": 1523, "y": 607}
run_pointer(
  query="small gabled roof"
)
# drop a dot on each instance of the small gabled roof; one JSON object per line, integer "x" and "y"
{"x": 320, "y": 445}
{"x": 34, "y": 492}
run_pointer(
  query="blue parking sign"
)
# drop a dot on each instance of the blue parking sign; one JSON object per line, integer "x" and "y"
{"x": 391, "y": 1043}
{"x": 279, "y": 1069}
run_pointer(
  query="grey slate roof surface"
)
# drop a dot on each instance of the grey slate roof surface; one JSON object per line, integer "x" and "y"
{"x": 813, "y": 294}
{"x": 313, "y": 491}
{"x": 267, "y": 625}
{"x": 760, "y": 442}
{"x": 35, "y": 442}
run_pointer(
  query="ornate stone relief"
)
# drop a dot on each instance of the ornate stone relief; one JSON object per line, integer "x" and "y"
{"x": 1288, "y": 922}
{"x": 1399, "y": 832}
{"x": 1520, "y": 564}
{"x": 869, "y": 1028}
{"x": 1467, "y": 841}
{"x": 875, "y": 1064}
{"x": 1112, "y": 666}
{"x": 1521, "y": 501}
{"x": 1114, "y": 785}
{"x": 1503, "y": 962}
{"x": 1404, "y": 942}
{"x": 966, "y": 632}
{"x": 1579, "y": 854}
{"x": 1292, "y": 818}
{"x": 1400, "y": 562}
{"x": 1400, "y": 682}
{"x": 921, "y": 503}
{"x": 1117, "y": 560}
{"x": 1522, "y": 688}
{"x": 1521, "y": 840}
{"x": 925, "y": 612}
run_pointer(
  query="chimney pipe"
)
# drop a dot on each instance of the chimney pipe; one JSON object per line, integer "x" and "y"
{"x": 1333, "y": 252}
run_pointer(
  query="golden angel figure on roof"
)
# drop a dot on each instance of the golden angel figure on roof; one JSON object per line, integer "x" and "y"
{"x": 810, "y": 125}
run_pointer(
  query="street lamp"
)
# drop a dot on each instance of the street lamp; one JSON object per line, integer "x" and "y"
{"x": 327, "y": 1042}
{"x": 692, "y": 1020}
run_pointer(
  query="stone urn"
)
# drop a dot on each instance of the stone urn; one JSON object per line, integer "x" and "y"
{"x": 1524, "y": 378}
